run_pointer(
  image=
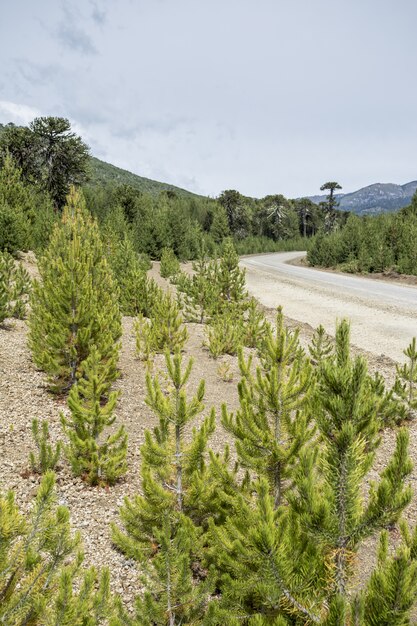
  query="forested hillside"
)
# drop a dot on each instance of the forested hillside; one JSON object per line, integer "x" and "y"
{"x": 102, "y": 173}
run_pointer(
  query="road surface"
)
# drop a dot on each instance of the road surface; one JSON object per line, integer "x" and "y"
{"x": 383, "y": 314}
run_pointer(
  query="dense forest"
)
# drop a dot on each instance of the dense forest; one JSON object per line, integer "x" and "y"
{"x": 261, "y": 528}
{"x": 46, "y": 157}
{"x": 385, "y": 242}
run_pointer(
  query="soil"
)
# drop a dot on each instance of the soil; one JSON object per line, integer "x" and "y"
{"x": 23, "y": 396}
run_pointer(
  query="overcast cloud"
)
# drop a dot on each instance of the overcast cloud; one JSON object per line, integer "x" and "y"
{"x": 263, "y": 96}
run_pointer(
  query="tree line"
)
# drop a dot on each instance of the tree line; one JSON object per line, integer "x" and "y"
{"x": 39, "y": 163}
{"x": 371, "y": 244}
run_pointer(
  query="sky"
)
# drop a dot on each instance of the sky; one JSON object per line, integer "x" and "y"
{"x": 262, "y": 96}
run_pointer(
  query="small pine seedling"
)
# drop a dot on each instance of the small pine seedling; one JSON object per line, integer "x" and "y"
{"x": 46, "y": 456}
{"x": 405, "y": 386}
{"x": 321, "y": 346}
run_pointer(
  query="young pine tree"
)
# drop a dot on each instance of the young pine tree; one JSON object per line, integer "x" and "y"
{"x": 330, "y": 503}
{"x": 47, "y": 455}
{"x": 198, "y": 293}
{"x": 271, "y": 427}
{"x": 101, "y": 460}
{"x": 130, "y": 275}
{"x": 405, "y": 387}
{"x": 321, "y": 346}
{"x": 170, "y": 265}
{"x": 41, "y": 581}
{"x": 15, "y": 285}
{"x": 164, "y": 330}
{"x": 229, "y": 277}
{"x": 161, "y": 526}
{"x": 171, "y": 595}
{"x": 170, "y": 463}
{"x": 16, "y": 209}
{"x": 295, "y": 564}
{"x": 75, "y": 305}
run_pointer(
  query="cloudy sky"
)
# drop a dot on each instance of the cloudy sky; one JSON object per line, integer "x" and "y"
{"x": 263, "y": 96}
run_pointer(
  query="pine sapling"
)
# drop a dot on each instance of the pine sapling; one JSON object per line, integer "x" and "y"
{"x": 75, "y": 306}
{"x": 170, "y": 265}
{"x": 223, "y": 371}
{"x": 165, "y": 329}
{"x": 170, "y": 462}
{"x": 406, "y": 383}
{"x": 255, "y": 325}
{"x": 270, "y": 428}
{"x": 225, "y": 334}
{"x": 46, "y": 456}
{"x": 321, "y": 346}
{"x": 171, "y": 595}
{"x": 330, "y": 503}
{"x": 15, "y": 285}
{"x": 100, "y": 460}
{"x": 41, "y": 581}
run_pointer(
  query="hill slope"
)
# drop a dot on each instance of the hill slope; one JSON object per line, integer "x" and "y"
{"x": 376, "y": 198}
{"x": 102, "y": 173}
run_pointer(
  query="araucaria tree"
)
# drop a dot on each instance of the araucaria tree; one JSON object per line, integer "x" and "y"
{"x": 75, "y": 304}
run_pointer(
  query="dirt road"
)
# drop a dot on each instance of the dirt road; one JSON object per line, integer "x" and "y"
{"x": 383, "y": 314}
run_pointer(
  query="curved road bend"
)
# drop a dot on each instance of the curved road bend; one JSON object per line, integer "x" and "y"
{"x": 383, "y": 314}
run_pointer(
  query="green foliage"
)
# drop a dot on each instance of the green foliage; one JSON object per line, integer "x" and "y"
{"x": 284, "y": 551}
{"x": 198, "y": 294}
{"x": 164, "y": 330}
{"x": 223, "y": 371}
{"x": 50, "y": 155}
{"x": 75, "y": 305}
{"x": 46, "y": 456}
{"x": 258, "y": 244}
{"x": 321, "y": 346}
{"x": 171, "y": 595}
{"x": 330, "y": 503}
{"x": 219, "y": 228}
{"x": 15, "y": 286}
{"x": 370, "y": 244}
{"x": 170, "y": 462}
{"x": 405, "y": 386}
{"x": 391, "y": 591}
{"x": 16, "y": 209}
{"x": 270, "y": 427}
{"x": 103, "y": 174}
{"x": 40, "y": 577}
{"x": 225, "y": 334}
{"x": 229, "y": 277}
{"x": 170, "y": 265}
{"x": 255, "y": 325}
{"x": 129, "y": 271}
{"x": 99, "y": 460}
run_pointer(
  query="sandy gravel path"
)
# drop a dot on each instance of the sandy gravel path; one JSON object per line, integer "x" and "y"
{"x": 383, "y": 314}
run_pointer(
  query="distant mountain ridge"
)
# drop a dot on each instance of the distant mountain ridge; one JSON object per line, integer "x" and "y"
{"x": 376, "y": 198}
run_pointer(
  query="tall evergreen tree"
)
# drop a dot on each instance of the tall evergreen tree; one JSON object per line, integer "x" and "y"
{"x": 74, "y": 306}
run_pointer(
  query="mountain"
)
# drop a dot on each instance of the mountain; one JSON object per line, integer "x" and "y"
{"x": 376, "y": 198}
{"x": 102, "y": 173}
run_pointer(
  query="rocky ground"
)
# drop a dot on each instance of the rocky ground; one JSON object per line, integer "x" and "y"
{"x": 23, "y": 396}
